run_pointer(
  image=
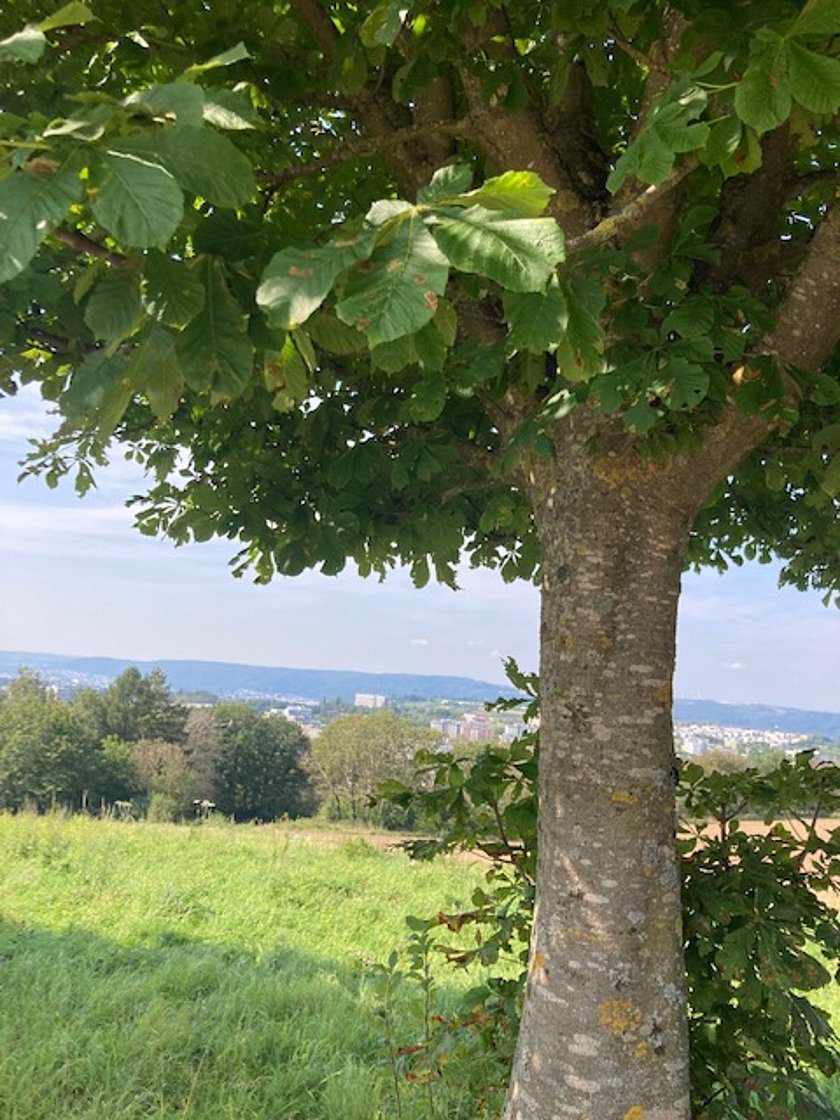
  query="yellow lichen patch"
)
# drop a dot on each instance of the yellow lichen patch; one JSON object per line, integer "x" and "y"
{"x": 665, "y": 694}
{"x": 538, "y": 963}
{"x": 623, "y": 797}
{"x": 620, "y": 1016}
{"x": 625, "y": 470}
{"x": 589, "y": 936}
{"x": 642, "y": 1050}
{"x": 635, "y": 1113}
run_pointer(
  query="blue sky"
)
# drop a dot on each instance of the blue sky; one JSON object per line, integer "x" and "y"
{"x": 78, "y": 579}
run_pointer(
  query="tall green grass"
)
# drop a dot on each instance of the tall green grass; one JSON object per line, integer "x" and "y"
{"x": 221, "y": 972}
{"x": 214, "y": 972}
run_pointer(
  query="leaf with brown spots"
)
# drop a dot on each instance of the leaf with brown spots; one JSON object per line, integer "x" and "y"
{"x": 297, "y": 281}
{"x": 398, "y": 293}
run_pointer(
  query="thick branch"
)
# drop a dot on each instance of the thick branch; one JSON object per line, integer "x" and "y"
{"x": 808, "y": 321}
{"x": 806, "y": 333}
{"x": 516, "y": 140}
{"x": 321, "y": 27}
{"x": 751, "y": 208}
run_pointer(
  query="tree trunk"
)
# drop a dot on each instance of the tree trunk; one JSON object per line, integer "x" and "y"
{"x": 604, "y": 1033}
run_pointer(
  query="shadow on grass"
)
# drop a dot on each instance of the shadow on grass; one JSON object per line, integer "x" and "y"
{"x": 170, "y": 1027}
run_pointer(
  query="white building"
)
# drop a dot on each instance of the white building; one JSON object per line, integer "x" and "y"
{"x": 369, "y": 700}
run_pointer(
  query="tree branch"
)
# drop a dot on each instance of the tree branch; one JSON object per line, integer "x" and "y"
{"x": 53, "y": 342}
{"x": 631, "y": 216}
{"x": 808, "y": 321}
{"x": 321, "y": 27}
{"x": 359, "y": 147}
{"x": 806, "y": 333}
{"x": 516, "y": 140}
{"x": 80, "y": 243}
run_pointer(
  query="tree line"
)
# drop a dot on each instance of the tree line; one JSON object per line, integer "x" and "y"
{"x": 134, "y": 749}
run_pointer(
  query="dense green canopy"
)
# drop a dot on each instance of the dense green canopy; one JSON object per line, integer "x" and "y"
{"x": 222, "y": 229}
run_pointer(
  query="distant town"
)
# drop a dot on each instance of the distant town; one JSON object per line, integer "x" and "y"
{"x": 454, "y": 707}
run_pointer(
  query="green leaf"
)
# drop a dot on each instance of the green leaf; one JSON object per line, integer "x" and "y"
{"x": 518, "y": 192}
{"x": 396, "y": 291}
{"x": 520, "y": 254}
{"x": 537, "y": 321}
{"x": 286, "y": 376}
{"x": 387, "y": 210}
{"x": 825, "y": 389}
{"x": 86, "y": 124}
{"x": 32, "y": 204}
{"x": 113, "y": 309}
{"x": 671, "y": 129}
{"x": 181, "y": 101}
{"x": 428, "y": 399}
{"x": 690, "y": 386}
{"x": 830, "y": 481}
{"x": 229, "y": 108}
{"x": 170, "y": 290}
{"x": 693, "y": 318}
{"x": 227, "y": 58}
{"x": 814, "y": 79}
{"x": 74, "y": 14}
{"x": 393, "y": 356}
{"x": 297, "y": 281}
{"x": 91, "y": 383}
{"x": 24, "y": 46}
{"x": 383, "y": 24}
{"x": 580, "y": 352}
{"x": 155, "y": 371}
{"x": 818, "y": 17}
{"x": 724, "y": 139}
{"x": 451, "y": 180}
{"x": 430, "y": 347}
{"x": 214, "y": 350}
{"x": 138, "y": 202}
{"x": 640, "y": 417}
{"x": 330, "y": 334}
{"x": 202, "y": 161}
{"x": 762, "y": 97}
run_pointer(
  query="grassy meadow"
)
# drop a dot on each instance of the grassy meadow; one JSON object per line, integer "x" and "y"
{"x": 211, "y": 973}
{"x": 218, "y": 972}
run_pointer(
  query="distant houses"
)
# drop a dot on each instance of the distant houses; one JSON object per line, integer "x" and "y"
{"x": 369, "y": 700}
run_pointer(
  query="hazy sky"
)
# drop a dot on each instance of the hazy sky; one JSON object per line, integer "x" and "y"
{"x": 78, "y": 579}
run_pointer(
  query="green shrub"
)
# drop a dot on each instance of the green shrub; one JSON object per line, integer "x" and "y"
{"x": 761, "y": 937}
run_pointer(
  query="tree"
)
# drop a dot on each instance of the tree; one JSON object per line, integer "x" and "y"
{"x": 259, "y": 775}
{"x": 48, "y": 757}
{"x": 135, "y": 707}
{"x": 353, "y": 755}
{"x": 163, "y": 772}
{"x": 546, "y": 286}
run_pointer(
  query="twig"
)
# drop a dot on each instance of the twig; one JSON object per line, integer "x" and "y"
{"x": 80, "y": 243}
{"x": 53, "y": 342}
{"x": 653, "y": 65}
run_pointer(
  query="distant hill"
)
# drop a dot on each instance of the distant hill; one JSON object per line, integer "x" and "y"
{"x": 763, "y": 717}
{"x": 228, "y": 680}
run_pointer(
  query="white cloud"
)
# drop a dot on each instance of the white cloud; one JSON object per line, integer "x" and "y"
{"x": 418, "y": 641}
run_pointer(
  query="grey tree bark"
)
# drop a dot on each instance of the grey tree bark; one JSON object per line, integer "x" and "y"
{"x": 604, "y": 1033}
